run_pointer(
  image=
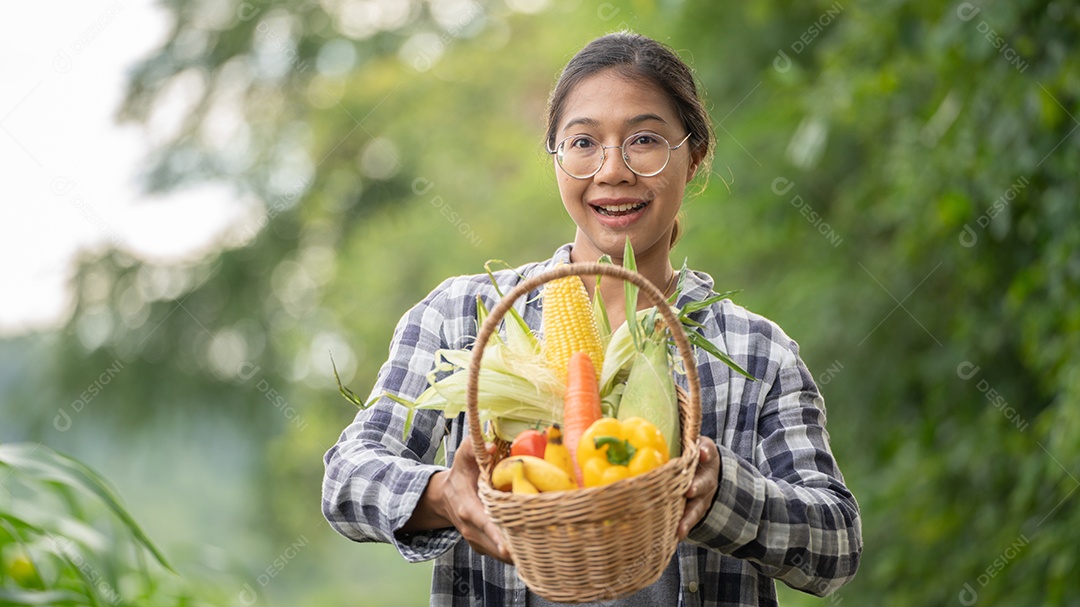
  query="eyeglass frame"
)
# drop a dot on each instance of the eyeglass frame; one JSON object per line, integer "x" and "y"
{"x": 626, "y": 161}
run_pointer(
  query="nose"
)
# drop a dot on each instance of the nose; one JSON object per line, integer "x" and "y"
{"x": 614, "y": 170}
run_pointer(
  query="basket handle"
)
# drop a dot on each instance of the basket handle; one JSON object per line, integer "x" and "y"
{"x": 652, "y": 294}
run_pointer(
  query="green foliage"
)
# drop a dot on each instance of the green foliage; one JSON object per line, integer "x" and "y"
{"x": 894, "y": 183}
{"x": 66, "y": 539}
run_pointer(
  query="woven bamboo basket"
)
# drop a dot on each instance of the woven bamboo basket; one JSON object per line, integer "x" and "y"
{"x": 604, "y": 542}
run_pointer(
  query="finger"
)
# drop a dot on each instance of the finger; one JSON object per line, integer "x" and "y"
{"x": 464, "y": 453}
{"x": 702, "y": 483}
{"x": 484, "y": 536}
{"x": 484, "y": 545}
{"x": 709, "y": 451}
{"x": 694, "y": 490}
{"x": 476, "y": 526}
{"x": 702, "y": 487}
{"x": 690, "y": 517}
{"x": 708, "y": 470}
{"x": 500, "y": 552}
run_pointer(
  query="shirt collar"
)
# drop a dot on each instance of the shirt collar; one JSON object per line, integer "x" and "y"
{"x": 696, "y": 285}
{"x": 562, "y": 255}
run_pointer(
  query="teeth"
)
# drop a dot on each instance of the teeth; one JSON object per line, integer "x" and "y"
{"x": 621, "y": 208}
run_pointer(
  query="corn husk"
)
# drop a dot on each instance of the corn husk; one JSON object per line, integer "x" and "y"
{"x": 650, "y": 393}
{"x": 619, "y": 356}
{"x": 512, "y": 387}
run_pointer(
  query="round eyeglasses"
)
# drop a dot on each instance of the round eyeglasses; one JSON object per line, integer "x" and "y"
{"x": 645, "y": 153}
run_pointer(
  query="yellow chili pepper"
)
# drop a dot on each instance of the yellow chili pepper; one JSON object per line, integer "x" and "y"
{"x": 611, "y": 450}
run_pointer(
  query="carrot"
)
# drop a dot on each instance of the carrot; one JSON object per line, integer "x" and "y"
{"x": 581, "y": 405}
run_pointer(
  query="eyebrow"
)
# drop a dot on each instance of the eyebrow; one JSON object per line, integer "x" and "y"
{"x": 592, "y": 122}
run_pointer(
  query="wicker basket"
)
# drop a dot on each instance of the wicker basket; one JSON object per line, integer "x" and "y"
{"x": 604, "y": 542}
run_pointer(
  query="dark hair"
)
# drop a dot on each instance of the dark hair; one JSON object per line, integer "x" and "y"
{"x": 638, "y": 56}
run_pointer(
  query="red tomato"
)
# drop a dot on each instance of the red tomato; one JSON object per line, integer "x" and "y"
{"x": 529, "y": 442}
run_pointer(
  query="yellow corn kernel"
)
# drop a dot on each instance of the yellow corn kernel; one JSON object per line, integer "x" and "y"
{"x": 569, "y": 325}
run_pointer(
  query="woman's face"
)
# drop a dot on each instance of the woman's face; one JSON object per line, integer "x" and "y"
{"x": 616, "y": 202}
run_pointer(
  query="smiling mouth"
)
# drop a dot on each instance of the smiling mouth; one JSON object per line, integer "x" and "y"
{"x": 619, "y": 210}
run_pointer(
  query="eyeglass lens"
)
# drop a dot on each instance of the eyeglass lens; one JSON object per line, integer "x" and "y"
{"x": 644, "y": 153}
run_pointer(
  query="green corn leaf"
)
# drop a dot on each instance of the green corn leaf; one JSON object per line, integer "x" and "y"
{"x": 92, "y": 587}
{"x": 47, "y": 465}
{"x": 408, "y": 416}
{"x": 481, "y": 316}
{"x": 697, "y": 340}
{"x": 16, "y": 526}
{"x": 619, "y": 355}
{"x": 727, "y": 294}
{"x": 599, "y": 310}
{"x": 631, "y": 292}
{"x": 648, "y": 323}
{"x": 600, "y": 315}
{"x": 23, "y": 596}
{"x": 694, "y": 306}
{"x": 679, "y": 285}
{"x": 690, "y": 322}
{"x": 518, "y": 334}
{"x": 609, "y": 404}
{"x": 349, "y": 395}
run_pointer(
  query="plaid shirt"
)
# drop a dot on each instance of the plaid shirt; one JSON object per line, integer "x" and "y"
{"x": 781, "y": 511}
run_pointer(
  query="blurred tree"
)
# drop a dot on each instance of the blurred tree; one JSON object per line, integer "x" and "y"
{"x": 917, "y": 227}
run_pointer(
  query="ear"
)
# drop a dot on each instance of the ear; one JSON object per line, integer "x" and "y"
{"x": 697, "y": 155}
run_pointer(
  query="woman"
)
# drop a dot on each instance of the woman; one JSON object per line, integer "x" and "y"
{"x": 767, "y": 502}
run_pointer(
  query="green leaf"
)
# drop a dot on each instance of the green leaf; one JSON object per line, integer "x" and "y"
{"x": 679, "y": 285}
{"x": 648, "y": 323}
{"x": 17, "y": 526}
{"x": 491, "y": 273}
{"x": 518, "y": 334}
{"x": 349, "y": 395}
{"x": 82, "y": 569}
{"x": 47, "y": 465}
{"x": 690, "y": 322}
{"x": 694, "y": 306}
{"x": 631, "y": 292}
{"x": 696, "y": 339}
{"x": 600, "y": 315}
{"x": 481, "y": 316}
{"x": 22, "y": 596}
{"x": 411, "y": 406}
{"x": 18, "y": 530}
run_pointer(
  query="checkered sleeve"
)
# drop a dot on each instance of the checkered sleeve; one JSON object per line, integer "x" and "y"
{"x": 788, "y": 512}
{"x": 374, "y": 477}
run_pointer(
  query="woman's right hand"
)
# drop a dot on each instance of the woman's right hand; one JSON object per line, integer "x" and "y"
{"x": 455, "y": 497}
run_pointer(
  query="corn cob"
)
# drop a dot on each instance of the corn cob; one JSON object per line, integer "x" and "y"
{"x": 569, "y": 325}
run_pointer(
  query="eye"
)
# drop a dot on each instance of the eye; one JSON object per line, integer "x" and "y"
{"x": 644, "y": 140}
{"x": 581, "y": 143}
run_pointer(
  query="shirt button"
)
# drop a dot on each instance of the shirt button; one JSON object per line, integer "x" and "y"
{"x": 692, "y": 587}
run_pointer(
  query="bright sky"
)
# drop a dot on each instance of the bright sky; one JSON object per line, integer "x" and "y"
{"x": 69, "y": 171}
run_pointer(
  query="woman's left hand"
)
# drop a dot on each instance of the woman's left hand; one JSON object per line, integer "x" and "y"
{"x": 699, "y": 496}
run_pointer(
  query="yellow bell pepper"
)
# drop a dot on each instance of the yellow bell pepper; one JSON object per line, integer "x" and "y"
{"x": 611, "y": 450}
